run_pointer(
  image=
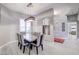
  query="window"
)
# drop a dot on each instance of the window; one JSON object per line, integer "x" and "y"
{"x": 28, "y": 30}
{"x": 28, "y": 27}
{"x": 22, "y": 25}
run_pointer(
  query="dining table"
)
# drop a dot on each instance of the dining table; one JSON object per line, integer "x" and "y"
{"x": 30, "y": 38}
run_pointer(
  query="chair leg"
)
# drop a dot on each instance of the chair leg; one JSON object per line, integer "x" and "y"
{"x": 29, "y": 49}
{"x": 20, "y": 46}
{"x": 37, "y": 50}
{"x": 18, "y": 43}
{"x": 23, "y": 49}
{"x": 42, "y": 46}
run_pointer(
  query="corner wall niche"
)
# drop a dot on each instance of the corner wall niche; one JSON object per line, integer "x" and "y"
{"x": 45, "y": 20}
{"x": 46, "y": 26}
{"x": 46, "y": 29}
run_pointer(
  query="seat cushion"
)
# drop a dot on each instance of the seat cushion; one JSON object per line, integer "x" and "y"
{"x": 59, "y": 40}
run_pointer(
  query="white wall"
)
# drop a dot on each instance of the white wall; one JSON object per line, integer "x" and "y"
{"x": 38, "y": 24}
{"x": 58, "y": 20}
{"x": 9, "y": 25}
{"x": 36, "y": 27}
{"x": 7, "y": 33}
{"x": 61, "y": 17}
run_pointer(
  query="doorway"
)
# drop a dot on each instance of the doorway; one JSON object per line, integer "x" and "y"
{"x": 46, "y": 29}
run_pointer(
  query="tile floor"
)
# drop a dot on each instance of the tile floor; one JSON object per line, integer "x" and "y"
{"x": 49, "y": 49}
{"x": 69, "y": 47}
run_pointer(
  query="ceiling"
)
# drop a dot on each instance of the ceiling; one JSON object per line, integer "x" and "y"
{"x": 39, "y": 7}
{"x": 22, "y": 7}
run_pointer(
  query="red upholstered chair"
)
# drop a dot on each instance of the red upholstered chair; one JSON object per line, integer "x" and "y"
{"x": 59, "y": 40}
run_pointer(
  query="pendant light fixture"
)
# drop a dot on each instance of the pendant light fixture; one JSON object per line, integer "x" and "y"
{"x": 30, "y": 18}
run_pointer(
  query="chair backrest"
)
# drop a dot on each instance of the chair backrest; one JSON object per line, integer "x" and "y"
{"x": 18, "y": 37}
{"x": 39, "y": 40}
{"x": 23, "y": 39}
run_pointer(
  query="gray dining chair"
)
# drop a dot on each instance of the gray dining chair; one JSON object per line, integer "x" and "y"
{"x": 39, "y": 43}
{"x": 19, "y": 40}
{"x": 23, "y": 44}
